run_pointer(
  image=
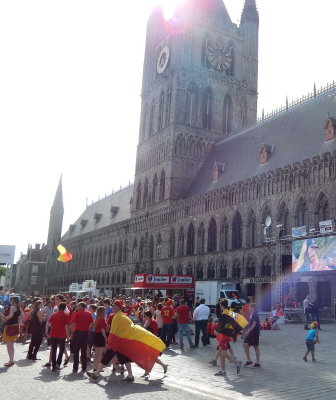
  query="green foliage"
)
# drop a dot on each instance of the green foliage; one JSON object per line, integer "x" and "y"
{"x": 2, "y": 270}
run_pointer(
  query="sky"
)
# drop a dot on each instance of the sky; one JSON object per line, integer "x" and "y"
{"x": 70, "y": 82}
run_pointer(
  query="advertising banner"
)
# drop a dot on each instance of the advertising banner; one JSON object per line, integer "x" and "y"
{"x": 299, "y": 231}
{"x": 7, "y": 254}
{"x": 326, "y": 226}
{"x": 318, "y": 254}
{"x": 160, "y": 281}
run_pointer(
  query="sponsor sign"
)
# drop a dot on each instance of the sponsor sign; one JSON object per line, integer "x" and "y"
{"x": 89, "y": 285}
{"x": 299, "y": 231}
{"x": 326, "y": 226}
{"x": 283, "y": 279}
{"x": 7, "y": 254}
{"x": 74, "y": 287}
{"x": 158, "y": 281}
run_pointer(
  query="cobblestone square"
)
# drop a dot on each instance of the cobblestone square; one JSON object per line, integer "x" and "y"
{"x": 283, "y": 375}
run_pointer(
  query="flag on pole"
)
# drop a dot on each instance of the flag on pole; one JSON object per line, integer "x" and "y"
{"x": 64, "y": 256}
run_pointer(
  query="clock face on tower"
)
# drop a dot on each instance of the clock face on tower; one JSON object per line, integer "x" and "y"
{"x": 163, "y": 59}
{"x": 219, "y": 56}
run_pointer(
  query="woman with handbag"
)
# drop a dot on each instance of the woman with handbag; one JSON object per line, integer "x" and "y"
{"x": 11, "y": 331}
{"x": 36, "y": 330}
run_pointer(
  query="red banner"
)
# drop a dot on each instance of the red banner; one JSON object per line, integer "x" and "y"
{"x": 161, "y": 281}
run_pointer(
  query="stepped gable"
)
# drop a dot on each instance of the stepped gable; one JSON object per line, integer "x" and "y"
{"x": 110, "y": 210}
{"x": 295, "y": 135}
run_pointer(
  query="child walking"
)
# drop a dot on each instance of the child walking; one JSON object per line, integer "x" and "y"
{"x": 311, "y": 340}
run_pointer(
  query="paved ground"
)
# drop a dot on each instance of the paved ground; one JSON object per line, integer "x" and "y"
{"x": 284, "y": 375}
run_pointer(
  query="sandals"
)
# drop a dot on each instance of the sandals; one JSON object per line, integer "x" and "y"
{"x": 8, "y": 364}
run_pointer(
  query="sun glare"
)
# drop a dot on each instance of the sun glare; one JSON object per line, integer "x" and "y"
{"x": 168, "y": 7}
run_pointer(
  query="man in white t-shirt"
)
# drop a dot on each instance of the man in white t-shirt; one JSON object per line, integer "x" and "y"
{"x": 201, "y": 316}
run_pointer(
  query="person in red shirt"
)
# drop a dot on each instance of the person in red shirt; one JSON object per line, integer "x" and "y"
{"x": 100, "y": 339}
{"x": 183, "y": 319}
{"x": 167, "y": 314}
{"x": 81, "y": 322}
{"x": 128, "y": 308}
{"x": 150, "y": 323}
{"x": 59, "y": 323}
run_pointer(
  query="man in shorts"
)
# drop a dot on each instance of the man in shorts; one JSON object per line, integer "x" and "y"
{"x": 252, "y": 337}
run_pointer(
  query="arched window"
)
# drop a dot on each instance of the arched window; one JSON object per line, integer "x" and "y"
{"x": 179, "y": 270}
{"x": 162, "y": 191}
{"x": 144, "y": 123}
{"x": 200, "y": 238}
{"x": 243, "y": 112}
{"x": 212, "y": 236}
{"x": 207, "y": 109}
{"x": 236, "y": 269}
{"x": 120, "y": 248}
{"x": 151, "y": 119}
{"x": 251, "y": 230}
{"x": 171, "y": 252}
{"x": 250, "y": 268}
{"x": 189, "y": 270}
{"x": 134, "y": 250}
{"x": 115, "y": 254}
{"x": 145, "y": 195}
{"x": 158, "y": 246}
{"x": 138, "y": 196}
{"x": 161, "y": 111}
{"x": 151, "y": 247}
{"x": 222, "y": 270}
{"x": 170, "y": 270}
{"x": 205, "y": 61}
{"x": 301, "y": 213}
{"x": 266, "y": 268}
{"x": 168, "y": 105}
{"x": 199, "y": 271}
{"x": 125, "y": 255}
{"x": 237, "y": 231}
{"x": 191, "y": 240}
{"x": 227, "y": 115}
{"x": 180, "y": 246}
{"x": 141, "y": 249}
{"x": 224, "y": 235}
{"x": 155, "y": 189}
{"x": 321, "y": 209}
{"x": 118, "y": 277}
{"x": 211, "y": 273}
{"x": 191, "y": 105}
{"x": 230, "y": 54}
{"x": 124, "y": 277}
{"x": 283, "y": 220}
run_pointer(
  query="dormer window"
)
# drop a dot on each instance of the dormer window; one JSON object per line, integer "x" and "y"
{"x": 83, "y": 223}
{"x": 97, "y": 217}
{"x": 217, "y": 170}
{"x": 72, "y": 228}
{"x": 114, "y": 211}
{"x": 330, "y": 128}
{"x": 265, "y": 153}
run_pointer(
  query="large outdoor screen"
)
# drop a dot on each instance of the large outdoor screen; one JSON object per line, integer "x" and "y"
{"x": 318, "y": 254}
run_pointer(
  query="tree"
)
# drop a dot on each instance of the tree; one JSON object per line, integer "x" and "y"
{"x": 2, "y": 271}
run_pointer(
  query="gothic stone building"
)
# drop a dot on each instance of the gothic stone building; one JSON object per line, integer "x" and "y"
{"x": 208, "y": 175}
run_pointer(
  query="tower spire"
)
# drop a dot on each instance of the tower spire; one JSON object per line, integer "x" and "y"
{"x": 250, "y": 12}
{"x": 58, "y": 200}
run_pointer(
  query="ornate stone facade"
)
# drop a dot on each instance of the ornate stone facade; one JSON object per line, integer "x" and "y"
{"x": 197, "y": 206}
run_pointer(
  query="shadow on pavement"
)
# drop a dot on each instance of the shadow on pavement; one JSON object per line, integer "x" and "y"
{"x": 46, "y": 375}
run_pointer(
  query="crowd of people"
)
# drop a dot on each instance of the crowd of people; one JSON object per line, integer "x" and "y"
{"x": 94, "y": 332}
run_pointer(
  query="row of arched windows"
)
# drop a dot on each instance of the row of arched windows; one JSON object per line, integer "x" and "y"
{"x": 152, "y": 192}
{"x": 200, "y": 239}
{"x": 156, "y": 117}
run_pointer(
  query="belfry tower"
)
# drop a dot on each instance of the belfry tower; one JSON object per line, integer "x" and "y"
{"x": 199, "y": 85}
